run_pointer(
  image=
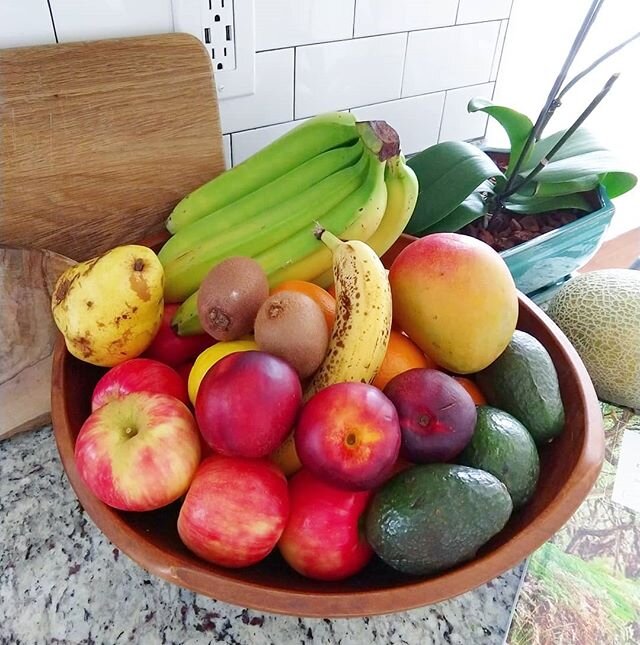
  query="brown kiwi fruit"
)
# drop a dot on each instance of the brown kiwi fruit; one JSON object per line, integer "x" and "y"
{"x": 230, "y": 296}
{"x": 292, "y": 326}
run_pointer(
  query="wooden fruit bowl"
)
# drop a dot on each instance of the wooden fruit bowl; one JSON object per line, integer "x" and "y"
{"x": 569, "y": 467}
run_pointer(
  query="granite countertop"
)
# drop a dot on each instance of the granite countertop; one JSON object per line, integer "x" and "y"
{"x": 62, "y": 581}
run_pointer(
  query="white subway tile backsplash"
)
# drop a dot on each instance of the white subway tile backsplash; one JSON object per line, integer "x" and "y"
{"x": 284, "y": 23}
{"x": 244, "y": 144}
{"x": 82, "y": 20}
{"x": 449, "y": 57}
{"x": 226, "y": 149}
{"x": 385, "y": 16}
{"x": 413, "y": 63}
{"x": 25, "y": 22}
{"x": 416, "y": 119}
{"x": 344, "y": 74}
{"x": 457, "y": 122}
{"x": 479, "y": 10}
{"x": 272, "y": 101}
{"x": 498, "y": 53}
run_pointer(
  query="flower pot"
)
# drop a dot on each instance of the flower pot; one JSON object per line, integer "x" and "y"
{"x": 551, "y": 258}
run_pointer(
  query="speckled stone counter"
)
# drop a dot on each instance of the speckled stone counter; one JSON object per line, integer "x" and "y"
{"x": 62, "y": 581}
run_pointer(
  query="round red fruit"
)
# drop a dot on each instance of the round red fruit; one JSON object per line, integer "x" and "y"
{"x": 437, "y": 415}
{"x": 247, "y": 404}
{"x": 349, "y": 435}
{"x": 138, "y": 375}
{"x": 323, "y": 537}
{"x": 235, "y": 510}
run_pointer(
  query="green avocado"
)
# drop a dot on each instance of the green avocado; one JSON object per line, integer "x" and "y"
{"x": 502, "y": 446}
{"x": 434, "y": 516}
{"x": 523, "y": 382}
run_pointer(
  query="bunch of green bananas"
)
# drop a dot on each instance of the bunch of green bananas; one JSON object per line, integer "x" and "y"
{"x": 331, "y": 172}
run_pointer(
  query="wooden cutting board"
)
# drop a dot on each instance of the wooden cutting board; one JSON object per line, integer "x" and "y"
{"x": 99, "y": 140}
{"x": 28, "y": 333}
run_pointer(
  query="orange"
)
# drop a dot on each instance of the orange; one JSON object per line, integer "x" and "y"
{"x": 402, "y": 355}
{"x": 472, "y": 389}
{"x": 322, "y": 298}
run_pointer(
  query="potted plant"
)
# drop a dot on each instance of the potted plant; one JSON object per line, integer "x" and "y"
{"x": 544, "y": 203}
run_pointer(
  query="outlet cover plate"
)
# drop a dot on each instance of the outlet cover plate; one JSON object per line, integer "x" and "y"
{"x": 227, "y": 30}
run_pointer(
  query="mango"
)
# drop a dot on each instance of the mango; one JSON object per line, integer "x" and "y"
{"x": 455, "y": 298}
{"x": 109, "y": 308}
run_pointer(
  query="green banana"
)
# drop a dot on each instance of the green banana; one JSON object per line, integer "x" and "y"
{"x": 312, "y": 137}
{"x": 276, "y": 193}
{"x": 368, "y": 201}
{"x": 402, "y": 193}
{"x": 184, "y": 275}
{"x": 308, "y": 256}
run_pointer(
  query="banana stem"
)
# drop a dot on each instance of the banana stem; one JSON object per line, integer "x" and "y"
{"x": 380, "y": 138}
{"x": 327, "y": 237}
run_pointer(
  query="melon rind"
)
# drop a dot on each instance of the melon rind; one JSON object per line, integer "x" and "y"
{"x": 599, "y": 312}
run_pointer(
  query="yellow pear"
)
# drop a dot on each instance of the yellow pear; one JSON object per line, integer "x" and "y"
{"x": 109, "y": 308}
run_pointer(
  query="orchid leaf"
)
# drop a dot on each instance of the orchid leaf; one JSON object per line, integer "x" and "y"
{"x": 580, "y": 160}
{"x": 579, "y": 185}
{"x": 447, "y": 174}
{"x": 515, "y": 124}
{"x": 525, "y": 204}
{"x": 472, "y": 208}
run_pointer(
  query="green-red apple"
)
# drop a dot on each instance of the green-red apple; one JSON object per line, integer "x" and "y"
{"x": 139, "y": 452}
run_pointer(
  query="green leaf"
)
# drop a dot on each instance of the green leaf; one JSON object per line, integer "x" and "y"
{"x": 472, "y": 208}
{"x": 515, "y": 124}
{"x": 618, "y": 183}
{"x": 447, "y": 174}
{"x": 579, "y": 185}
{"x": 579, "y": 160}
{"x": 580, "y": 142}
{"x": 524, "y": 204}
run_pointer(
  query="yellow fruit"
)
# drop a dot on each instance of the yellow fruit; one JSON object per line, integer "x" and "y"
{"x": 207, "y": 359}
{"x": 599, "y": 312}
{"x": 286, "y": 457}
{"x": 109, "y": 308}
{"x": 455, "y": 298}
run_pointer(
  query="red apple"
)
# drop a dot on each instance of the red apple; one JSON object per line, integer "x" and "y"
{"x": 138, "y": 375}
{"x": 138, "y": 452}
{"x": 171, "y": 349}
{"x": 437, "y": 415}
{"x": 323, "y": 538}
{"x": 235, "y": 510}
{"x": 247, "y": 404}
{"x": 349, "y": 435}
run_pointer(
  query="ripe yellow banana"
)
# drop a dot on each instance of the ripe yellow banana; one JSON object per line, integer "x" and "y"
{"x": 402, "y": 194}
{"x": 360, "y": 332}
{"x": 362, "y": 326}
{"x": 309, "y": 139}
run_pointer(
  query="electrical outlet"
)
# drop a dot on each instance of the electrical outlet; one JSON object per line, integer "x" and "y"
{"x": 226, "y": 28}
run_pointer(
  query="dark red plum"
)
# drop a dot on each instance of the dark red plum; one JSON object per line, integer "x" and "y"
{"x": 437, "y": 415}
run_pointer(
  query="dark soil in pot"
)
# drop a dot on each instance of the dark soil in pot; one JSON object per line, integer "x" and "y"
{"x": 504, "y": 229}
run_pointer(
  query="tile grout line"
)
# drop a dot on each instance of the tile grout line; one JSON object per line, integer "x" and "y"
{"x": 363, "y": 105}
{"x": 458, "y": 11}
{"x": 353, "y": 21}
{"x": 404, "y": 64}
{"x": 444, "y": 103}
{"x": 293, "y": 97}
{"x": 386, "y": 33}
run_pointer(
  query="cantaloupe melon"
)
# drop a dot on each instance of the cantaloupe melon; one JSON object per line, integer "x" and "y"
{"x": 599, "y": 312}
